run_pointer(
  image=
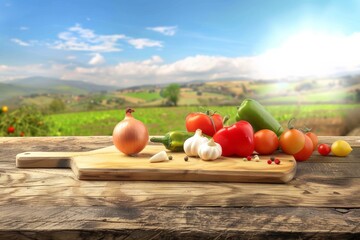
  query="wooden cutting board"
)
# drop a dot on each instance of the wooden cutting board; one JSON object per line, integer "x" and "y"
{"x": 110, "y": 164}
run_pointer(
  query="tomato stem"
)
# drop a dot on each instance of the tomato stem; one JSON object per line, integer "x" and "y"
{"x": 305, "y": 129}
{"x": 291, "y": 123}
{"x": 211, "y": 120}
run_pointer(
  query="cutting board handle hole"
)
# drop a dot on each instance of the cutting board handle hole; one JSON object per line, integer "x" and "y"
{"x": 27, "y": 153}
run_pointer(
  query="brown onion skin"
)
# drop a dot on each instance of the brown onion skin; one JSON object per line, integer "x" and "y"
{"x": 130, "y": 136}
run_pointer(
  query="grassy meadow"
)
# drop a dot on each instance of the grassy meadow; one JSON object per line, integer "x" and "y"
{"x": 325, "y": 119}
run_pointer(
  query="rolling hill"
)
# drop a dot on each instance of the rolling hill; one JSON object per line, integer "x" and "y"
{"x": 82, "y": 96}
{"x": 10, "y": 90}
{"x": 39, "y": 85}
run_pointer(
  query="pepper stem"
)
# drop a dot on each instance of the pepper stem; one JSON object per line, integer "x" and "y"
{"x": 225, "y": 119}
{"x": 157, "y": 139}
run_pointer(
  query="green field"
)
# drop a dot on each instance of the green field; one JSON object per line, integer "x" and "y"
{"x": 160, "y": 120}
{"x": 146, "y": 96}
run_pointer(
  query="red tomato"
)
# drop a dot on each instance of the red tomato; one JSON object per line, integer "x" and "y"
{"x": 313, "y": 138}
{"x": 209, "y": 124}
{"x": 266, "y": 141}
{"x": 306, "y": 151}
{"x": 11, "y": 129}
{"x": 292, "y": 141}
{"x": 324, "y": 149}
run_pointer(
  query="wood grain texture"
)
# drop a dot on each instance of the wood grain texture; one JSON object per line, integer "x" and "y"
{"x": 354, "y": 141}
{"x": 110, "y": 164}
{"x": 322, "y": 202}
{"x": 99, "y": 222}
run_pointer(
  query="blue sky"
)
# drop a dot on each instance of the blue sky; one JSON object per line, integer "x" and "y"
{"x": 129, "y": 43}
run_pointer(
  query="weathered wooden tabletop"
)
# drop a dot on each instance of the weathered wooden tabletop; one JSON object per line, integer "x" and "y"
{"x": 323, "y": 201}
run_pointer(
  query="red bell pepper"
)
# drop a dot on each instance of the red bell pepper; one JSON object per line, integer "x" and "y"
{"x": 237, "y": 139}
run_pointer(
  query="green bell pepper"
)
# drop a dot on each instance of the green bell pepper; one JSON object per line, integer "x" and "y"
{"x": 259, "y": 118}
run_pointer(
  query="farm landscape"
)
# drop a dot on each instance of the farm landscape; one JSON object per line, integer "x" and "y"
{"x": 328, "y": 106}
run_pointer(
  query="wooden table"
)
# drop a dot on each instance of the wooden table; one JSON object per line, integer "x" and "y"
{"x": 322, "y": 202}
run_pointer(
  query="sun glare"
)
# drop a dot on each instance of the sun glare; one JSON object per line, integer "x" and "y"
{"x": 311, "y": 54}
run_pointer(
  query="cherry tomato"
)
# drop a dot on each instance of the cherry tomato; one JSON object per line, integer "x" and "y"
{"x": 11, "y": 129}
{"x": 292, "y": 141}
{"x": 306, "y": 151}
{"x": 324, "y": 149}
{"x": 313, "y": 138}
{"x": 266, "y": 141}
{"x": 209, "y": 124}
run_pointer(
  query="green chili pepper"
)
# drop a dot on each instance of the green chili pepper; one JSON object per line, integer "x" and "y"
{"x": 259, "y": 118}
{"x": 173, "y": 141}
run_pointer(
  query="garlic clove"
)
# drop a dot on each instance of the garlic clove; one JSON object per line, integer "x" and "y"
{"x": 159, "y": 157}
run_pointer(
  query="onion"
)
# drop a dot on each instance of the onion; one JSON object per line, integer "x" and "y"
{"x": 130, "y": 135}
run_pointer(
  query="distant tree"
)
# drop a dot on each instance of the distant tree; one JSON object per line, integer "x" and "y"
{"x": 357, "y": 95}
{"x": 57, "y": 105}
{"x": 244, "y": 89}
{"x": 171, "y": 93}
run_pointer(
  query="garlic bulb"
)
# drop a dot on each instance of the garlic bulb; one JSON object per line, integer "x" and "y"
{"x": 210, "y": 150}
{"x": 191, "y": 145}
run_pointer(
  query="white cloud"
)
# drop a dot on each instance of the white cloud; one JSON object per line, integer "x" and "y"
{"x": 153, "y": 60}
{"x": 78, "y": 38}
{"x": 20, "y": 42}
{"x": 13, "y": 72}
{"x": 165, "y": 30}
{"x": 97, "y": 59}
{"x": 3, "y": 68}
{"x": 153, "y": 70}
{"x": 140, "y": 43}
{"x": 311, "y": 54}
{"x": 299, "y": 56}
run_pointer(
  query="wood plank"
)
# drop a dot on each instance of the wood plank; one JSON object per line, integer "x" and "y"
{"x": 321, "y": 203}
{"x": 354, "y": 141}
{"x": 122, "y": 222}
{"x": 314, "y": 184}
{"x": 53, "y": 186}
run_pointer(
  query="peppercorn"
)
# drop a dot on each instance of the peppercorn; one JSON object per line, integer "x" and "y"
{"x": 170, "y": 157}
{"x": 269, "y": 161}
{"x": 186, "y": 158}
{"x": 277, "y": 161}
